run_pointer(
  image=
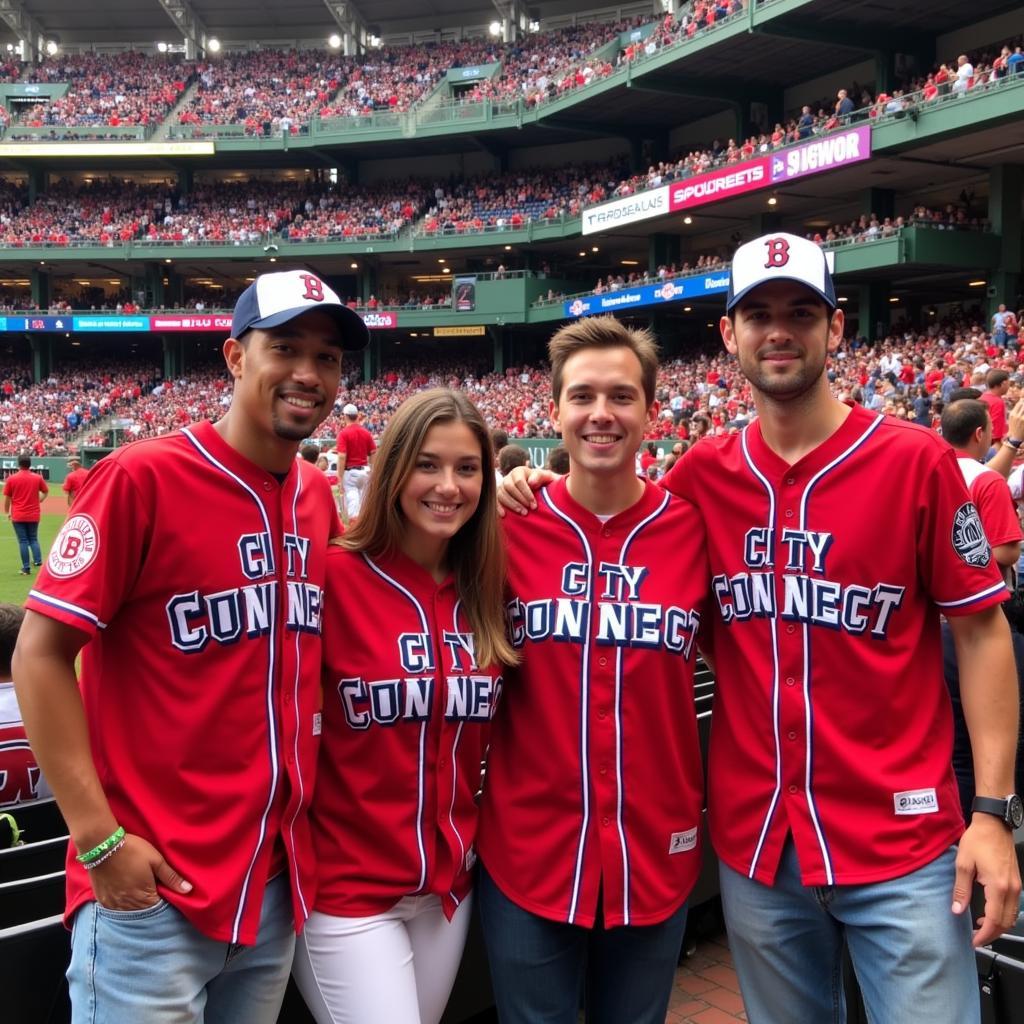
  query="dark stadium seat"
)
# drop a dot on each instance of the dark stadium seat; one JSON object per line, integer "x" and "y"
{"x": 32, "y": 859}
{"x": 29, "y": 899}
{"x": 33, "y": 959}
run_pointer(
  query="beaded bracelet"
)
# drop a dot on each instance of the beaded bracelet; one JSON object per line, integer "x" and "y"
{"x": 93, "y": 855}
{"x": 105, "y": 856}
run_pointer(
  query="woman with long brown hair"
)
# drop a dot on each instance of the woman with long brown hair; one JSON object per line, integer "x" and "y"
{"x": 414, "y": 635}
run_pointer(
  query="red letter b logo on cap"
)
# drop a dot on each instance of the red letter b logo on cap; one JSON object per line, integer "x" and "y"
{"x": 778, "y": 252}
{"x": 314, "y": 287}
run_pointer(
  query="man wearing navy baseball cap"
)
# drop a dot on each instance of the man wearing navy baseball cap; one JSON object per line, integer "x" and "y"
{"x": 190, "y": 575}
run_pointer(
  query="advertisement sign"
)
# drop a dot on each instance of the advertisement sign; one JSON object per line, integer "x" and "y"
{"x": 724, "y": 183}
{"x": 465, "y": 294}
{"x": 109, "y": 324}
{"x": 380, "y": 321}
{"x": 648, "y": 295}
{"x": 816, "y": 155}
{"x": 460, "y": 332}
{"x": 199, "y": 322}
{"x": 627, "y": 210}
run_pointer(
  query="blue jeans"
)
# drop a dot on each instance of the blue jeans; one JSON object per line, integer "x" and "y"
{"x": 539, "y": 968}
{"x": 28, "y": 538}
{"x": 912, "y": 955}
{"x": 152, "y": 965}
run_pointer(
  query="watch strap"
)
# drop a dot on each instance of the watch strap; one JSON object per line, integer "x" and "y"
{"x": 992, "y": 805}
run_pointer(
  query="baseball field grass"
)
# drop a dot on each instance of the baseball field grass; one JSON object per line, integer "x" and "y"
{"x": 13, "y": 586}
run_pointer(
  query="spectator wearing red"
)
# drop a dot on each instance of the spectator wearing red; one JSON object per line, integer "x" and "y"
{"x": 997, "y": 383}
{"x": 74, "y": 480}
{"x": 22, "y": 493}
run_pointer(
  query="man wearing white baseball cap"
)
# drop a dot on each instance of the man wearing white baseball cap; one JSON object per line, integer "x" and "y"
{"x": 836, "y": 536}
{"x": 832, "y": 803}
{"x": 190, "y": 575}
{"x": 355, "y": 450}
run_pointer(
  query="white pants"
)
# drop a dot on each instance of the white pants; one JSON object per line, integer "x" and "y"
{"x": 393, "y": 968}
{"x": 353, "y": 485}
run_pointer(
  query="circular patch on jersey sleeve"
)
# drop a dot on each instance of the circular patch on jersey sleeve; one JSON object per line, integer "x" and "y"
{"x": 75, "y": 548}
{"x": 969, "y": 540}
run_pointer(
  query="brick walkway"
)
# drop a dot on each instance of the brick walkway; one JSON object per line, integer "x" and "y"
{"x": 706, "y": 990}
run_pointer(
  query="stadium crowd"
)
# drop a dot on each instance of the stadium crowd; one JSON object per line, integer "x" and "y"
{"x": 908, "y": 373}
{"x": 117, "y": 89}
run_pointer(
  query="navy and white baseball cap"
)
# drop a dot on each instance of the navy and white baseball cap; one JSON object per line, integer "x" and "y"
{"x": 274, "y": 299}
{"x": 779, "y": 257}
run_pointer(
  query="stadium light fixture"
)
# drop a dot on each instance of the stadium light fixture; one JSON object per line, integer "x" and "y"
{"x": 842, "y": 298}
{"x": 687, "y": 309}
{"x": 494, "y": 28}
{"x": 334, "y": 41}
{"x": 167, "y": 260}
{"x": 446, "y": 270}
{"x": 375, "y": 41}
{"x": 213, "y": 45}
{"x": 51, "y": 48}
{"x": 595, "y": 248}
{"x": 353, "y": 266}
{"x": 273, "y": 259}
{"x": 42, "y": 263}
{"x": 773, "y": 200}
{"x": 631, "y": 263}
{"x": 893, "y": 298}
{"x": 976, "y": 284}
{"x": 441, "y": 259}
{"x": 508, "y": 248}
{"x": 687, "y": 219}
{"x": 583, "y": 252}
{"x": 534, "y": 26}
{"x": 161, "y": 47}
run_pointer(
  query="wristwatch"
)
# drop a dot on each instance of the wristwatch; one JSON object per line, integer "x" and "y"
{"x": 1010, "y": 809}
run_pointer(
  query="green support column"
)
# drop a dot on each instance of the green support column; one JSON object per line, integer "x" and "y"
{"x": 371, "y": 357}
{"x": 662, "y": 250}
{"x": 42, "y": 356}
{"x": 367, "y": 281}
{"x": 497, "y": 334}
{"x": 766, "y": 222}
{"x": 172, "y": 357}
{"x": 885, "y": 73}
{"x": 36, "y": 183}
{"x": 1004, "y": 200}
{"x": 154, "y": 283}
{"x": 185, "y": 180}
{"x": 873, "y": 310}
{"x": 881, "y": 201}
{"x": 40, "y": 288}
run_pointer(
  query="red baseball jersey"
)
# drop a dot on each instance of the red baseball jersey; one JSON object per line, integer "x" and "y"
{"x": 24, "y": 488}
{"x": 20, "y": 778}
{"x": 198, "y": 578}
{"x": 594, "y": 785}
{"x": 997, "y": 410}
{"x": 74, "y": 481}
{"x": 356, "y": 443}
{"x": 832, "y": 722}
{"x": 991, "y": 496}
{"x": 407, "y": 715}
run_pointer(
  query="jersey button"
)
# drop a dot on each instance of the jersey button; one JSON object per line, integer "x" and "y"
{"x": 602, "y": 714}
{"x": 606, "y": 533}
{"x": 603, "y": 769}
{"x": 602, "y": 661}
{"x": 790, "y": 480}
{"x": 791, "y": 628}
{"x": 792, "y": 789}
{"x": 606, "y": 821}
{"x": 789, "y": 513}
{"x": 792, "y": 735}
{"x": 267, "y": 485}
{"x": 442, "y": 764}
{"x": 790, "y": 681}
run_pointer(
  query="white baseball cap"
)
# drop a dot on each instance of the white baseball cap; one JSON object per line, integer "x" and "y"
{"x": 350, "y": 410}
{"x": 274, "y": 299}
{"x": 779, "y": 257}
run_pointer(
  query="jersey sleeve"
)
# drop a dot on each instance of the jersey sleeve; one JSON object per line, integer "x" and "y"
{"x": 97, "y": 555}
{"x": 953, "y": 553}
{"x": 998, "y": 515}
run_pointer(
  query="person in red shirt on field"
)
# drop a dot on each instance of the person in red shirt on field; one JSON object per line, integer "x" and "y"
{"x": 22, "y": 492}
{"x": 74, "y": 480}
